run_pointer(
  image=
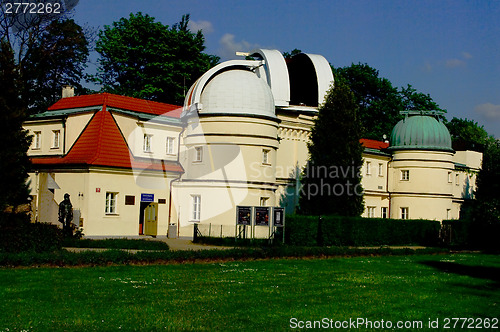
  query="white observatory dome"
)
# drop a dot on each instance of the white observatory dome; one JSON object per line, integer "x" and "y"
{"x": 237, "y": 92}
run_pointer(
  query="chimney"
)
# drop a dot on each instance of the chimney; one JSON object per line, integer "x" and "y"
{"x": 68, "y": 91}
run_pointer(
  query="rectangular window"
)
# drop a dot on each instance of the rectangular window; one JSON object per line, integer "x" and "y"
{"x": 448, "y": 214}
{"x": 196, "y": 206}
{"x": 371, "y": 211}
{"x": 147, "y": 143}
{"x": 170, "y": 145}
{"x": 383, "y": 212}
{"x": 380, "y": 169}
{"x": 265, "y": 157}
{"x": 405, "y": 175}
{"x": 368, "y": 168}
{"x": 111, "y": 202}
{"x": 450, "y": 177}
{"x": 405, "y": 213}
{"x": 55, "y": 138}
{"x": 198, "y": 153}
{"x": 37, "y": 139}
{"x": 457, "y": 179}
{"x": 263, "y": 201}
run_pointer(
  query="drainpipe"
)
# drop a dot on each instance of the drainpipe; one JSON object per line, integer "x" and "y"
{"x": 388, "y": 191}
{"x": 64, "y": 134}
{"x": 171, "y": 183}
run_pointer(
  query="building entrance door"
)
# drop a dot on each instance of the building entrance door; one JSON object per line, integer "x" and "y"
{"x": 151, "y": 219}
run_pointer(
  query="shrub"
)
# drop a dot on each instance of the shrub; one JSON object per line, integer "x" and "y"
{"x": 17, "y": 234}
{"x": 139, "y": 244}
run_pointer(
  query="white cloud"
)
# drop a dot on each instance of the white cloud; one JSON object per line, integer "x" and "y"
{"x": 204, "y": 26}
{"x": 452, "y": 63}
{"x": 467, "y": 55}
{"x": 488, "y": 111}
{"x": 229, "y": 46}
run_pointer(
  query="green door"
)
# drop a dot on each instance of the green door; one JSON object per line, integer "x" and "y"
{"x": 151, "y": 219}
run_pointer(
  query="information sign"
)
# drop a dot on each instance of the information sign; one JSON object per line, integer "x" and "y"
{"x": 243, "y": 215}
{"x": 261, "y": 216}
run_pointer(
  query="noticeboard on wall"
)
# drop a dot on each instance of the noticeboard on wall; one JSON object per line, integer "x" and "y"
{"x": 243, "y": 215}
{"x": 262, "y": 216}
{"x": 278, "y": 217}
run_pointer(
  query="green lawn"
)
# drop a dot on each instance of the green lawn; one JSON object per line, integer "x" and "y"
{"x": 252, "y": 295}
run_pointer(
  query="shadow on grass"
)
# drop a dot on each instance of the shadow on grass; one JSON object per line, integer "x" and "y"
{"x": 476, "y": 271}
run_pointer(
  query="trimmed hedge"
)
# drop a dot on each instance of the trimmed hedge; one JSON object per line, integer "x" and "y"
{"x": 17, "y": 234}
{"x": 471, "y": 234}
{"x": 356, "y": 231}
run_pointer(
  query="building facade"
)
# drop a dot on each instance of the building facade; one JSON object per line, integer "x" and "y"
{"x": 135, "y": 167}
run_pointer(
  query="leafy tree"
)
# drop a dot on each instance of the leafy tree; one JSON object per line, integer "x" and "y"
{"x": 379, "y": 102}
{"x": 486, "y": 206}
{"x": 142, "y": 58}
{"x": 290, "y": 54}
{"x": 413, "y": 100}
{"x": 331, "y": 182}
{"x": 468, "y": 134}
{"x": 58, "y": 58}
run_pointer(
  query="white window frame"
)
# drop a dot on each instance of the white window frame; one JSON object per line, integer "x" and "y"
{"x": 195, "y": 208}
{"x": 146, "y": 146}
{"x": 111, "y": 203}
{"x": 405, "y": 175}
{"x": 263, "y": 201}
{"x": 170, "y": 145}
{"x": 368, "y": 168}
{"x": 457, "y": 179}
{"x": 380, "y": 169}
{"x": 405, "y": 213}
{"x": 384, "y": 212}
{"x": 56, "y": 139}
{"x": 370, "y": 210}
{"x": 37, "y": 140}
{"x": 198, "y": 154}
{"x": 448, "y": 214}
{"x": 265, "y": 156}
{"x": 450, "y": 177}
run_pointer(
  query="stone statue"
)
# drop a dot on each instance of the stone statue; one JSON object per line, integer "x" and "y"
{"x": 66, "y": 214}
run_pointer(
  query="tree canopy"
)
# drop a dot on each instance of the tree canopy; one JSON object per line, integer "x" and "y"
{"x": 57, "y": 58}
{"x": 379, "y": 102}
{"x": 331, "y": 182}
{"x": 142, "y": 58}
{"x": 468, "y": 134}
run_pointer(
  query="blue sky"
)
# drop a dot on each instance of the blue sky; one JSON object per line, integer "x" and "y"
{"x": 448, "y": 49}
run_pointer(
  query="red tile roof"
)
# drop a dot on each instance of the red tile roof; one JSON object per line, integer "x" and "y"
{"x": 373, "y": 144}
{"x": 122, "y": 102}
{"x": 102, "y": 144}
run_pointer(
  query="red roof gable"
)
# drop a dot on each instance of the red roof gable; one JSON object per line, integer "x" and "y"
{"x": 102, "y": 144}
{"x": 122, "y": 102}
{"x": 373, "y": 144}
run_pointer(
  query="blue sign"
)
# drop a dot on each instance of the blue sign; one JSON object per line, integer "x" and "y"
{"x": 147, "y": 197}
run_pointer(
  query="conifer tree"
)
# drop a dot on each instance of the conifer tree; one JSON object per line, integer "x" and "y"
{"x": 331, "y": 181}
{"x": 14, "y": 141}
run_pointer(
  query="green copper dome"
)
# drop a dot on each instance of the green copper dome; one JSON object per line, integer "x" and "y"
{"x": 420, "y": 132}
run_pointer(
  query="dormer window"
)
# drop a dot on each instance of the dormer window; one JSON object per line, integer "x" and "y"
{"x": 56, "y": 134}
{"x": 37, "y": 140}
{"x": 147, "y": 142}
